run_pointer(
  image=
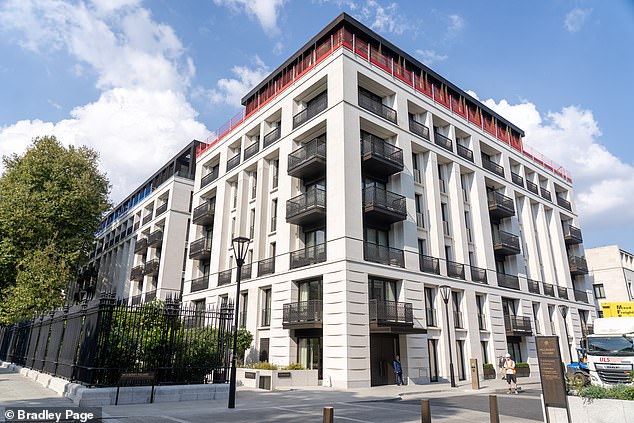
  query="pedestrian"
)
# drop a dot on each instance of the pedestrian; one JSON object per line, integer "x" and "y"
{"x": 509, "y": 370}
{"x": 398, "y": 370}
{"x": 501, "y": 366}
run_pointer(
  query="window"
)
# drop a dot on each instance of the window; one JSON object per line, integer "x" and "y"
{"x": 244, "y": 306}
{"x": 272, "y": 249}
{"x": 457, "y": 315}
{"x": 480, "y": 300}
{"x": 430, "y": 310}
{"x": 234, "y": 190}
{"x": 445, "y": 218}
{"x": 266, "y": 307}
{"x": 376, "y": 236}
{"x": 264, "y": 349}
{"x": 599, "y": 292}
{"x": 420, "y": 217}
{"x": 448, "y": 253}
{"x": 274, "y": 215}
{"x": 254, "y": 184}
{"x": 233, "y": 228}
{"x": 467, "y": 222}
{"x": 422, "y": 246}
{"x": 275, "y": 171}
{"x": 462, "y": 374}
{"x": 432, "y": 345}
{"x": 252, "y": 227}
{"x": 418, "y": 174}
{"x": 309, "y": 290}
{"x": 441, "y": 179}
{"x": 538, "y": 330}
{"x": 485, "y": 354}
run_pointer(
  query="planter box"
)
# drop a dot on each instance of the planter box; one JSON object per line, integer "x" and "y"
{"x": 585, "y": 410}
{"x": 277, "y": 379}
{"x": 523, "y": 372}
{"x": 489, "y": 373}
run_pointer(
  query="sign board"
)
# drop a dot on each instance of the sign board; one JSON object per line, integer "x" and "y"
{"x": 551, "y": 372}
{"x": 475, "y": 377}
{"x": 282, "y": 375}
{"x": 249, "y": 375}
{"x": 623, "y": 309}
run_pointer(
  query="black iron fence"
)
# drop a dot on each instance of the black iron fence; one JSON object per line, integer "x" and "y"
{"x": 94, "y": 342}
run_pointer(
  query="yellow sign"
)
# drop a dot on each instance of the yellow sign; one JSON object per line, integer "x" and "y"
{"x": 618, "y": 309}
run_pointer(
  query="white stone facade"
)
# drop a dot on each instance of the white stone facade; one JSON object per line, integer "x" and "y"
{"x": 612, "y": 274}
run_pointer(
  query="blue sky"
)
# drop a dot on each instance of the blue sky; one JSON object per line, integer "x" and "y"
{"x": 137, "y": 80}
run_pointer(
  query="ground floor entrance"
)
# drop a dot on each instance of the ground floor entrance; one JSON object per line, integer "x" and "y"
{"x": 310, "y": 349}
{"x": 383, "y": 348}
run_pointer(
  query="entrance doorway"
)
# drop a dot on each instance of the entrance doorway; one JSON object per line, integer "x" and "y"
{"x": 309, "y": 354}
{"x": 383, "y": 348}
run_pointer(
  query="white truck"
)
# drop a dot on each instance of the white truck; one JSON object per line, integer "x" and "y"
{"x": 610, "y": 351}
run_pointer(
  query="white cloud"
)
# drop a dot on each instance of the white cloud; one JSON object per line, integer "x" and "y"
{"x": 384, "y": 19}
{"x": 141, "y": 117}
{"x": 603, "y": 183}
{"x": 430, "y": 56}
{"x": 231, "y": 90}
{"x": 265, "y": 11}
{"x": 575, "y": 19}
{"x": 456, "y": 23}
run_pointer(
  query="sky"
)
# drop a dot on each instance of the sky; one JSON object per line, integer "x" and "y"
{"x": 137, "y": 80}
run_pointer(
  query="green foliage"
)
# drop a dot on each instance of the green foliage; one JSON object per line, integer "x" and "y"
{"x": 294, "y": 366}
{"x": 245, "y": 338}
{"x": 51, "y": 198}
{"x": 521, "y": 365}
{"x": 262, "y": 365}
{"x": 620, "y": 392}
{"x": 487, "y": 366}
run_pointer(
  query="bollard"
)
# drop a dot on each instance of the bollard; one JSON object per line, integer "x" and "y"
{"x": 425, "y": 412}
{"x": 493, "y": 409}
{"x": 329, "y": 415}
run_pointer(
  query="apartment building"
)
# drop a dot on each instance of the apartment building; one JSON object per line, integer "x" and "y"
{"x": 365, "y": 182}
{"x": 140, "y": 247}
{"x": 612, "y": 274}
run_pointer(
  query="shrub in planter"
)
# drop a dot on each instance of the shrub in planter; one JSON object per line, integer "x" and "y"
{"x": 620, "y": 392}
{"x": 488, "y": 371}
{"x": 262, "y": 365}
{"x": 294, "y": 366}
{"x": 523, "y": 369}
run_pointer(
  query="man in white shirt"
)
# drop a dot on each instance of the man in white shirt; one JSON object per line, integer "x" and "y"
{"x": 509, "y": 371}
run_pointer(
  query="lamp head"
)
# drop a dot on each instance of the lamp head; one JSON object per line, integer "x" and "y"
{"x": 445, "y": 292}
{"x": 240, "y": 247}
{"x": 563, "y": 310}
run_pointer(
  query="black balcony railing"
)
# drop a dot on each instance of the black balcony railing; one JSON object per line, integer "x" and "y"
{"x": 545, "y": 194}
{"x": 572, "y": 234}
{"x": 136, "y": 299}
{"x": 493, "y": 167}
{"x": 302, "y": 313}
{"x": 518, "y": 325}
{"x": 266, "y": 266}
{"x": 313, "y": 108}
{"x": 233, "y": 162}
{"x": 443, "y": 141}
{"x": 136, "y": 274}
{"x": 508, "y": 281}
{"x": 532, "y": 187}
{"x": 199, "y": 284}
{"x": 310, "y": 205}
{"x": 562, "y": 202}
{"x": 271, "y": 137}
{"x": 150, "y": 295}
{"x": 429, "y": 264}
{"x": 246, "y": 272}
{"x": 549, "y": 289}
{"x": 377, "y": 149}
{"x": 581, "y": 296}
{"x": 500, "y": 205}
{"x": 224, "y": 277}
{"x": 578, "y": 265}
{"x": 391, "y": 312}
{"x": 482, "y": 321}
{"x": 390, "y": 205}
{"x": 155, "y": 239}
{"x": 151, "y": 267}
{"x": 430, "y": 314}
{"x": 377, "y": 107}
{"x": 562, "y": 292}
{"x": 200, "y": 249}
{"x": 505, "y": 243}
{"x": 252, "y": 150}
{"x": 308, "y": 160}
{"x": 210, "y": 177}
{"x": 204, "y": 214}
{"x": 517, "y": 179}
{"x": 479, "y": 275}
{"x": 307, "y": 256}
{"x": 418, "y": 129}
{"x": 533, "y": 286}
{"x": 457, "y": 320}
{"x": 161, "y": 209}
{"x": 455, "y": 270}
{"x": 140, "y": 246}
{"x": 383, "y": 254}
{"x": 464, "y": 152}
{"x": 147, "y": 219}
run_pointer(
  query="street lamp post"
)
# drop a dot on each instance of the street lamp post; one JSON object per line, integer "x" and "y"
{"x": 445, "y": 292}
{"x": 564, "y": 312}
{"x": 240, "y": 247}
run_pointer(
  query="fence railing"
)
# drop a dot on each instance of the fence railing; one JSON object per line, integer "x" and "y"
{"x": 94, "y": 342}
{"x": 210, "y": 177}
{"x": 464, "y": 152}
{"x": 302, "y": 311}
{"x": 314, "y": 107}
{"x": 383, "y": 254}
{"x": 233, "y": 162}
{"x": 307, "y": 256}
{"x": 377, "y": 107}
{"x": 391, "y": 312}
{"x": 252, "y": 150}
{"x": 532, "y": 187}
{"x": 418, "y": 128}
{"x": 517, "y": 179}
{"x": 271, "y": 137}
{"x": 508, "y": 281}
{"x": 315, "y": 148}
{"x": 376, "y": 146}
{"x": 488, "y": 164}
{"x": 313, "y": 199}
{"x": 429, "y": 264}
{"x": 443, "y": 141}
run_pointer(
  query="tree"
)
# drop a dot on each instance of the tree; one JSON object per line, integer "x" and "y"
{"x": 51, "y": 197}
{"x": 244, "y": 342}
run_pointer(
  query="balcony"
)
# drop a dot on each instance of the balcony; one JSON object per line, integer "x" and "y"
{"x": 493, "y": 167}
{"x": 302, "y": 315}
{"x": 313, "y": 108}
{"x": 562, "y": 292}
{"x": 508, "y": 281}
{"x": 532, "y": 187}
{"x": 383, "y": 207}
{"x": 578, "y": 265}
{"x": 464, "y": 152}
{"x": 545, "y": 194}
{"x": 549, "y": 289}
{"x": 308, "y": 209}
{"x": 150, "y": 295}
{"x": 251, "y": 150}
{"x": 147, "y": 219}
{"x": 224, "y": 277}
{"x": 533, "y": 286}
{"x": 505, "y": 244}
{"x": 517, "y": 179}
{"x": 136, "y": 299}
{"x": 155, "y": 239}
{"x": 233, "y": 162}
{"x": 309, "y": 161}
{"x": 161, "y": 209}
{"x": 391, "y": 317}
{"x": 383, "y": 254}
{"x": 210, "y": 177}
{"x": 266, "y": 266}
{"x": 199, "y": 284}
{"x": 418, "y": 129}
{"x": 140, "y": 247}
{"x": 442, "y": 141}
{"x": 200, "y": 249}
{"x": 562, "y": 202}
{"x": 307, "y": 256}
{"x": 479, "y": 275}
{"x": 151, "y": 267}
{"x": 246, "y": 272}
{"x": 572, "y": 235}
{"x": 204, "y": 214}
{"x": 518, "y": 326}
{"x": 271, "y": 137}
{"x": 376, "y": 107}
{"x": 500, "y": 206}
{"x": 380, "y": 158}
{"x": 429, "y": 264}
{"x": 136, "y": 274}
{"x": 455, "y": 270}
{"x": 581, "y": 296}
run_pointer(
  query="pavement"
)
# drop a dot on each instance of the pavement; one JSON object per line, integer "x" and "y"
{"x": 366, "y": 405}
